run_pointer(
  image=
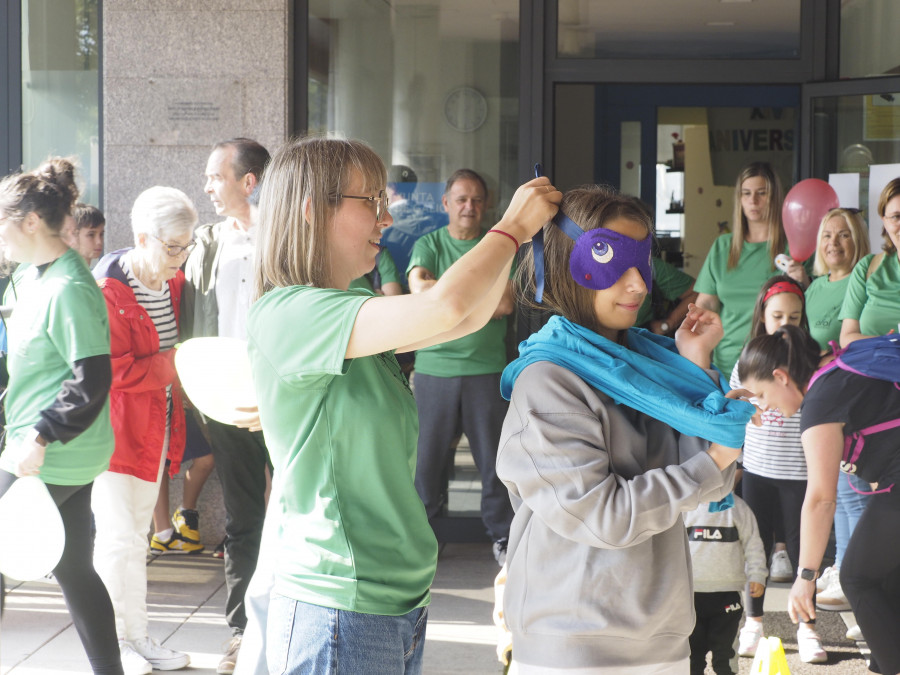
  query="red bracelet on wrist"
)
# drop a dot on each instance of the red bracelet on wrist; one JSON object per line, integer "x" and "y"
{"x": 506, "y": 234}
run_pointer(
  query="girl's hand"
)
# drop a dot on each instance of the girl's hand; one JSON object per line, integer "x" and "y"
{"x": 756, "y": 589}
{"x": 746, "y": 395}
{"x": 722, "y": 455}
{"x": 533, "y": 204}
{"x": 797, "y": 272}
{"x": 27, "y": 457}
{"x": 800, "y": 601}
{"x": 698, "y": 335}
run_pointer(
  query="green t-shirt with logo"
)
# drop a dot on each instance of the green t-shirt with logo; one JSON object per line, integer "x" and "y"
{"x": 823, "y": 305}
{"x": 669, "y": 281}
{"x": 479, "y": 353}
{"x": 736, "y": 289}
{"x": 342, "y": 436}
{"x": 58, "y": 318}
{"x": 874, "y": 302}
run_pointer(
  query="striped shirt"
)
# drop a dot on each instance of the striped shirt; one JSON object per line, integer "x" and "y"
{"x": 157, "y": 303}
{"x": 773, "y": 450}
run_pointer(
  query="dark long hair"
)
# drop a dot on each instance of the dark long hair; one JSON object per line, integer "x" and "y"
{"x": 789, "y": 348}
{"x": 758, "y": 327}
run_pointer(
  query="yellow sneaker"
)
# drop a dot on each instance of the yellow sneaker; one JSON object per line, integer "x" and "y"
{"x": 175, "y": 544}
{"x": 187, "y": 525}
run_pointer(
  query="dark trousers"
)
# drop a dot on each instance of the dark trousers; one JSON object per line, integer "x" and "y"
{"x": 870, "y": 577}
{"x": 474, "y": 403}
{"x": 718, "y": 618}
{"x": 770, "y": 499}
{"x": 241, "y": 459}
{"x": 84, "y": 592}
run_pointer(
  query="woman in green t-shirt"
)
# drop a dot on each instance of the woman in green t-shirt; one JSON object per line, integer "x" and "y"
{"x": 872, "y": 303}
{"x": 842, "y": 242}
{"x": 57, "y": 409}
{"x": 355, "y": 555}
{"x": 740, "y": 262}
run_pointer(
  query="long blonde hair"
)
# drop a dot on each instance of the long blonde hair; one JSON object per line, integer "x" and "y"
{"x": 590, "y": 206}
{"x": 299, "y": 195}
{"x": 777, "y": 238}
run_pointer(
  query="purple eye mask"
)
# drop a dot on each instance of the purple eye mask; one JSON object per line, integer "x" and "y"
{"x": 600, "y": 257}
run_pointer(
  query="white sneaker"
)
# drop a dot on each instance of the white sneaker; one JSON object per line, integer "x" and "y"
{"x": 749, "y": 638}
{"x": 809, "y": 646}
{"x": 132, "y": 662}
{"x": 832, "y": 599}
{"x": 855, "y": 634}
{"x": 828, "y": 575}
{"x": 781, "y": 570}
{"x": 161, "y": 658}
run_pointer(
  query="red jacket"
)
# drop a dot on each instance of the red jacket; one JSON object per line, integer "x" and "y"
{"x": 141, "y": 374}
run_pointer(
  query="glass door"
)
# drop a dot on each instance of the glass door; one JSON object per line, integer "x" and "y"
{"x": 677, "y": 147}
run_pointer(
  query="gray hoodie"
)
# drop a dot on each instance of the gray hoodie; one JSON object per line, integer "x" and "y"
{"x": 599, "y": 565}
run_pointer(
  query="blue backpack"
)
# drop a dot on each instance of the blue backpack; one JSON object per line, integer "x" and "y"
{"x": 878, "y": 358}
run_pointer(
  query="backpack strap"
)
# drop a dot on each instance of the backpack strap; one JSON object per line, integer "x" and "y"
{"x": 837, "y": 351}
{"x": 853, "y": 447}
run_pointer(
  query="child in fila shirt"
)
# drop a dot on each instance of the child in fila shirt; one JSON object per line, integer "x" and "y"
{"x": 726, "y": 553}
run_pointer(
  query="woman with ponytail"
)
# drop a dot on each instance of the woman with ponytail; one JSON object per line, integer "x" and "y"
{"x": 836, "y": 404}
{"x": 57, "y": 409}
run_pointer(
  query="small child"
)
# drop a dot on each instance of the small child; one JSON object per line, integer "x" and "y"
{"x": 84, "y": 231}
{"x": 726, "y": 553}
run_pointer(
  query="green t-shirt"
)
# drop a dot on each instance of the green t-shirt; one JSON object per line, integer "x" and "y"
{"x": 342, "y": 436}
{"x": 736, "y": 289}
{"x": 479, "y": 353}
{"x": 387, "y": 270}
{"x": 58, "y": 318}
{"x": 670, "y": 281}
{"x": 874, "y": 302}
{"x": 823, "y": 305}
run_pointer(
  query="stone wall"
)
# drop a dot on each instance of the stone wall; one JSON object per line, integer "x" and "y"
{"x": 178, "y": 76}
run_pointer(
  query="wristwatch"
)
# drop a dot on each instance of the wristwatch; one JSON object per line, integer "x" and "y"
{"x": 664, "y": 327}
{"x": 807, "y": 574}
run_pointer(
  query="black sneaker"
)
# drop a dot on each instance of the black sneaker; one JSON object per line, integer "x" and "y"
{"x": 220, "y": 549}
{"x": 500, "y": 551}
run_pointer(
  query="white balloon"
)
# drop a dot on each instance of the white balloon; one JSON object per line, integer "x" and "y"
{"x": 215, "y": 375}
{"x": 31, "y": 530}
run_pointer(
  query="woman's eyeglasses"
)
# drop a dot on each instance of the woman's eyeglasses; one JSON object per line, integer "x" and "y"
{"x": 174, "y": 250}
{"x": 380, "y": 200}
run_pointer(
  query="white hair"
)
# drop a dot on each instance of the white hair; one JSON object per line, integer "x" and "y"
{"x": 163, "y": 212}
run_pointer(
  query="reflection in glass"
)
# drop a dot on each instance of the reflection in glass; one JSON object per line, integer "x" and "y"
{"x": 659, "y": 29}
{"x": 869, "y": 44}
{"x": 60, "y": 86}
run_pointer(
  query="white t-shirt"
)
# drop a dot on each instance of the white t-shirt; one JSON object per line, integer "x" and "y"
{"x": 234, "y": 279}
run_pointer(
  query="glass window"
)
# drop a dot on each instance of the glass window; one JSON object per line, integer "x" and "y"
{"x": 869, "y": 44}
{"x": 850, "y": 134}
{"x": 60, "y": 86}
{"x": 660, "y": 29}
{"x": 431, "y": 86}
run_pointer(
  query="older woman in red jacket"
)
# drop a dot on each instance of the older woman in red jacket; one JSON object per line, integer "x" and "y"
{"x": 142, "y": 287}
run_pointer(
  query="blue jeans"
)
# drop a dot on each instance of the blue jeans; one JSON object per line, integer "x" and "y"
{"x": 313, "y": 640}
{"x": 850, "y": 505}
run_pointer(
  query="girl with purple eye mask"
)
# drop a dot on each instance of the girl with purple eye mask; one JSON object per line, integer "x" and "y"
{"x": 611, "y": 434}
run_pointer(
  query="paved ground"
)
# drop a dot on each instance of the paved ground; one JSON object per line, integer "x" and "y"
{"x": 187, "y": 597}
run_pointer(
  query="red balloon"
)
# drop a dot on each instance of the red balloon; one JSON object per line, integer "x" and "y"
{"x": 804, "y": 207}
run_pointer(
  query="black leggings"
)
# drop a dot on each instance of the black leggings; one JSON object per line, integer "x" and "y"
{"x": 84, "y": 592}
{"x": 869, "y": 577}
{"x": 769, "y": 499}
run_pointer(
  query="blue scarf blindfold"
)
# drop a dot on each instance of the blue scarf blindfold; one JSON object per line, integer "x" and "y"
{"x": 648, "y": 375}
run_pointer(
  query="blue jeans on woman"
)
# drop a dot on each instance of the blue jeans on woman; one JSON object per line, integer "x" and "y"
{"x": 850, "y": 505}
{"x": 304, "y": 638}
